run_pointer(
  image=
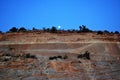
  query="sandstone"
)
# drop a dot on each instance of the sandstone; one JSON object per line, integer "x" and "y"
{"x": 104, "y": 62}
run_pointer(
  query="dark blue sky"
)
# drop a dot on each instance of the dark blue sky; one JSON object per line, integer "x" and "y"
{"x": 69, "y": 14}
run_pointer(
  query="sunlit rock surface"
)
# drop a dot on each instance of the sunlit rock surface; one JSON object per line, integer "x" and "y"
{"x": 104, "y": 62}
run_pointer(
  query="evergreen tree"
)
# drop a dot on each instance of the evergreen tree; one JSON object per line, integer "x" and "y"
{"x": 13, "y": 29}
{"x": 22, "y": 29}
{"x": 53, "y": 29}
{"x": 83, "y": 28}
{"x": 116, "y": 32}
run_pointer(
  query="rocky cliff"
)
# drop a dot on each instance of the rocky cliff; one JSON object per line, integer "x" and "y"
{"x": 59, "y": 60}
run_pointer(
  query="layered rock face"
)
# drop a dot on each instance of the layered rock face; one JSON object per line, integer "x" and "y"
{"x": 60, "y": 61}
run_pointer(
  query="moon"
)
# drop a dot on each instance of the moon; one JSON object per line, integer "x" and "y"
{"x": 59, "y": 27}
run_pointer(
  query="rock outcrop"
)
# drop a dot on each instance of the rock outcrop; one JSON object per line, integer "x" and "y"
{"x": 38, "y": 57}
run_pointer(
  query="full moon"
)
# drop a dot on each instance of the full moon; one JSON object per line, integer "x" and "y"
{"x": 59, "y": 27}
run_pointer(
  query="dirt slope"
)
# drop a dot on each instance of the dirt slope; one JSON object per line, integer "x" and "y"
{"x": 51, "y": 64}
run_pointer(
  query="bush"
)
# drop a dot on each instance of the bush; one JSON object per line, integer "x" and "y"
{"x": 7, "y": 54}
{"x": 116, "y": 32}
{"x": 53, "y": 29}
{"x": 86, "y": 55}
{"x": 65, "y": 56}
{"x": 34, "y": 29}
{"x": 60, "y": 57}
{"x": 83, "y": 28}
{"x": 56, "y": 57}
{"x": 105, "y": 31}
{"x": 22, "y": 29}
{"x": 1, "y": 32}
{"x": 5, "y": 59}
{"x": 51, "y": 58}
{"x": 13, "y": 29}
{"x": 33, "y": 56}
{"x": 99, "y": 32}
{"x": 80, "y": 56}
{"x": 28, "y": 55}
